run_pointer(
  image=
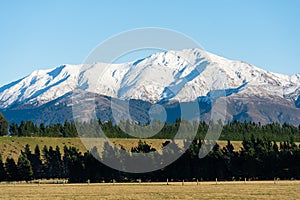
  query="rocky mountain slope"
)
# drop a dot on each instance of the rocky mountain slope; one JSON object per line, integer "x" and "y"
{"x": 173, "y": 76}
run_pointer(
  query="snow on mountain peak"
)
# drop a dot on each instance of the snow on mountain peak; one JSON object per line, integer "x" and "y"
{"x": 40, "y": 87}
{"x": 183, "y": 75}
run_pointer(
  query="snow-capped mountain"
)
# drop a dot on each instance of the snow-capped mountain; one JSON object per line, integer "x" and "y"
{"x": 184, "y": 76}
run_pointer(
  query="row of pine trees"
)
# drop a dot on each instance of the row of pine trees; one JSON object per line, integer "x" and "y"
{"x": 257, "y": 159}
{"x": 234, "y": 131}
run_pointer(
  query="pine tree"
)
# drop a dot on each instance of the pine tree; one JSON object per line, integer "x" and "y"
{"x": 11, "y": 170}
{"x": 56, "y": 163}
{"x": 13, "y": 129}
{"x": 36, "y": 163}
{"x": 3, "y": 125}
{"x": 24, "y": 168}
{"x": 73, "y": 165}
{"x": 2, "y": 170}
{"x": 21, "y": 129}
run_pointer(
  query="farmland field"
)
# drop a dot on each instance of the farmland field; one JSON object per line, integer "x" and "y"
{"x": 205, "y": 190}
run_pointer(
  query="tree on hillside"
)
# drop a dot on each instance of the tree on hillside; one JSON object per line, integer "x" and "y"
{"x": 3, "y": 125}
{"x": 73, "y": 162}
{"x": 230, "y": 157}
{"x": 57, "y": 163}
{"x": 52, "y": 162}
{"x": 13, "y": 129}
{"x": 24, "y": 168}
{"x": 93, "y": 167}
{"x": 2, "y": 171}
{"x": 35, "y": 160}
{"x": 37, "y": 163}
{"x": 69, "y": 129}
{"x": 11, "y": 169}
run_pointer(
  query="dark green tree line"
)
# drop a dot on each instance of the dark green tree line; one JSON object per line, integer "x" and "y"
{"x": 234, "y": 131}
{"x": 259, "y": 158}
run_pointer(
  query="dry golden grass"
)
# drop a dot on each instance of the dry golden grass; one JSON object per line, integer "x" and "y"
{"x": 12, "y": 146}
{"x": 208, "y": 190}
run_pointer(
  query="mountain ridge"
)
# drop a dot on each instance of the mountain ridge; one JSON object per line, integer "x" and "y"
{"x": 183, "y": 76}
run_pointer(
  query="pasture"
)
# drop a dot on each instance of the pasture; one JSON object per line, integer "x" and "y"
{"x": 12, "y": 146}
{"x": 190, "y": 190}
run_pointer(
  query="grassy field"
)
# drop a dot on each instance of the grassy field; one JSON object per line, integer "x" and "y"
{"x": 12, "y": 146}
{"x": 205, "y": 190}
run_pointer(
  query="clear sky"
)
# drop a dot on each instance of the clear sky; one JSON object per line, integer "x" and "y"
{"x": 45, "y": 34}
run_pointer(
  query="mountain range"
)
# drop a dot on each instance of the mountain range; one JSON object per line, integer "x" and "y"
{"x": 188, "y": 75}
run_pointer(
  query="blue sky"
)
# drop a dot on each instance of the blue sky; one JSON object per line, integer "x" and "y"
{"x": 45, "y": 34}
